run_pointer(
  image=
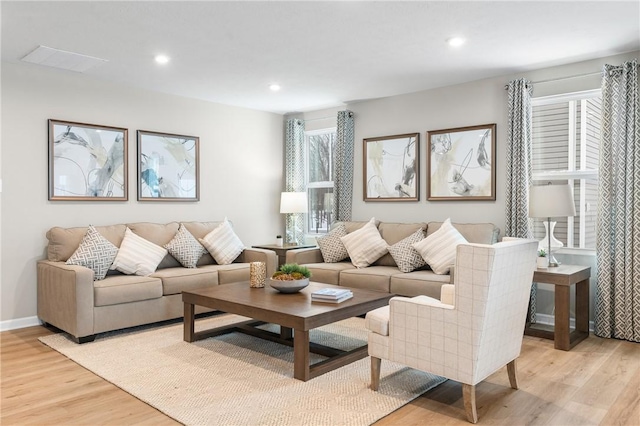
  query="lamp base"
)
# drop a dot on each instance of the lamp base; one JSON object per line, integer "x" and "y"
{"x": 553, "y": 262}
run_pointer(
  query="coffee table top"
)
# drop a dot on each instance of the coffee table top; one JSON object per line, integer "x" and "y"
{"x": 291, "y": 310}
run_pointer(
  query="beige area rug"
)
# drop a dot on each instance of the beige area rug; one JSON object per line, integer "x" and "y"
{"x": 237, "y": 379}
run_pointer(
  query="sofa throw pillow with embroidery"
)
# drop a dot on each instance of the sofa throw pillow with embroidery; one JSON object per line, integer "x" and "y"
{"x": 405, "y": 256}
{"x": 331, "y": 246}
{"x": 137, "y": 255}
{"x": 439, "y": 248}
{"x": 365, "y": 245}
{"x": 185, "y": 248}
{"x": 94, "y": 252}
{"x": 223, "y": 244}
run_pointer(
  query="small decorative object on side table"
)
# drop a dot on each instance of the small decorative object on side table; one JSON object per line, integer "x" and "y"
{"x": 281, "y": 251}
{"x": 563, "y": 277}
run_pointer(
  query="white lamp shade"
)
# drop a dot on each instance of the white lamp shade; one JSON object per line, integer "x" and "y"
{"x": 293, "y": 202}
{"x": 551, "y": 201}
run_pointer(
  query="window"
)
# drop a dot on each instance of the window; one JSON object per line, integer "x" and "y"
{"x": 320, "y": 145}
{"x": 566, "y": 148}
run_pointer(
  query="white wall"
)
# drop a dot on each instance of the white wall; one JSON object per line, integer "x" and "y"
{"x": 240, "y": 166}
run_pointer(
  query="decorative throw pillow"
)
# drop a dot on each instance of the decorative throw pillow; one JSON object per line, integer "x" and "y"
{"x": 365, "y": 245}
{"x": 94, "y": 252}
{"x": 185, "y": 248}
{"x": 439, "y": 248}
{"x": 331, "y": 246}
{"x": 137, "y": 255}
{"x": 223, "y": 244}
{"x": 406, "y": 257}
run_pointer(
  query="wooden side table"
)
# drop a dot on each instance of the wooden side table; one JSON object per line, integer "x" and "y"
{"x": 563, "y": 277}
{"x": 281, "y": 252}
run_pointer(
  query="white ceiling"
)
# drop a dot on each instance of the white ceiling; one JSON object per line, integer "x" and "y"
{"x": 323, "y": 54}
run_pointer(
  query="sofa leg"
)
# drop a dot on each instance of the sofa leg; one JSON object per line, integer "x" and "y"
{"x": 469, "y": 399}
{"x": 375, "y": 373}
{"x": 84, "y": 339}
{"x": 513, "y": 374}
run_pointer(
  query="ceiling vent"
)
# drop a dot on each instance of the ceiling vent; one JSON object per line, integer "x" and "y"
{"x": 56, "y": 58}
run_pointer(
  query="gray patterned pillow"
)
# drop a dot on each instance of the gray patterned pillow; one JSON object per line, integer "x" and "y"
{"x": 94, "y": 252}
{"x": 185, "y": 248}
{"x": 331, "y": 245}
{"x": 407, "y": 258}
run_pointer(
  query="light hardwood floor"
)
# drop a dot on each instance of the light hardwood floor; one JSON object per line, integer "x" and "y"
{"x": 597, "y": 382}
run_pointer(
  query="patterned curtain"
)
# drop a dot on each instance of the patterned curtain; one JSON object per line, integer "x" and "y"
{"x": 343, "y": 167}
{"x": 618, "y": 236}
{"x": 294, "y": 176}
{"x": 519, "y": 148}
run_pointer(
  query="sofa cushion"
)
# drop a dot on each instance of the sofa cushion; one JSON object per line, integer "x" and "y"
{"x": 159, "y": 234}
{"x": 365, "y": 245}
{"x": 176, "y": 280}
{"x": 63, "y": 242}
{"x": 223, "y": 244}
{"x": 393, "y": 233}
{"x": 416, "y": 283}
{"x": 331, "y": 246}
{"x": 480, "y": 233}
{"x": 439, "y": 248}
{"x": 95, "y": 252}
{"x": 138, "y": 255}
{"x": 117, "y": 289}
{"x": 199, "y": 230}
{"x": 372, "y": 278}
{"x": 231, "y": 273}
{"x": 405, "y": 256}
{"x": 185, "y": 248}
{"x": 377, "y": 320}
{"x": 328, "y": 273}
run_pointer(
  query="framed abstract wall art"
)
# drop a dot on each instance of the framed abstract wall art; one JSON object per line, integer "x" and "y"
{"x": 168, "y": 167}
{"x": 87, "y": 162}
{"x": 461, "y": 163}
{"x": 391, "y": 168}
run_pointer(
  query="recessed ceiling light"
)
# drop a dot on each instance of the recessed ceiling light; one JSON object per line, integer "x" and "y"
{"x": 456, "y": 41}
{"x": 274, "y": 87}
{"x": 162, "y": 59}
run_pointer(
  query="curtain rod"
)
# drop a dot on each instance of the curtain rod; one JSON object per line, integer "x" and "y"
{"x": 588, "y": 74}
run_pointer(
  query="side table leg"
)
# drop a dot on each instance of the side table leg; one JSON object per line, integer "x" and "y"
{"x": 562, "y": 305}
{"x": 301, "y": 355}
{"x": 189, "y": 319}
{"x": 582, "y": 306}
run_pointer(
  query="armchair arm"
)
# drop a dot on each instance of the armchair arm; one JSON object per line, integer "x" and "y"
{"x": 269, "y": 257}
{"x": 65, "y": 297}
{"x": 305, "y": 256}
{"x": 448, "y": 294}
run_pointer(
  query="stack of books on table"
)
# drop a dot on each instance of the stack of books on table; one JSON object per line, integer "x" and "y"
{"x": 331, "y": 295}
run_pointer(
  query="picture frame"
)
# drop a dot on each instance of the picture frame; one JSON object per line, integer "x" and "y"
{"x": 87, "y": 162}
{"x": 168, "y": 167}
{"x": 461, "y": 164}
{"x": 391, "y": 169}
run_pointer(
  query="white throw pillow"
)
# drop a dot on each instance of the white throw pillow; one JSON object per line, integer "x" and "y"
{"x": 406, "y": 257}
{"x": 137, "y": 255}
{"x": 365, "y": 245}
{"x": 331, "y": 246}
{"x": 439, "y": 248}
{"x": 185, "y": 248}
{"x": 95, "y": 252}
{"x": 223, "y": 244}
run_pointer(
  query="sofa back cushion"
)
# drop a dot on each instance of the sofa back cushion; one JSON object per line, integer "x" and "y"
{"x": 394, "y": 232}
{"x": 200, "y": 230}
{"x": 63, "y": 242}
{"x": 480, "y": 233}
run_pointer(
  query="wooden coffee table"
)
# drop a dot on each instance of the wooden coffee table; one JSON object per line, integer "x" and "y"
{"x": 294, "y": 313}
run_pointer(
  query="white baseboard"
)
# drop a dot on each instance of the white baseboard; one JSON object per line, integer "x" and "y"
{"x": 14, "y": 324}
{"x": 550, "y": 320}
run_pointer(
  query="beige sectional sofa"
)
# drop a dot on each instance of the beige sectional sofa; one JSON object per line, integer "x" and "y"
{"x": 384, "y": 275}
{"x": 70, "y": 299}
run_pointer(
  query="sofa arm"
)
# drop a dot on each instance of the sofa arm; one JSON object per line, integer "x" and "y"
{"x": 65, "y": 297}
{"x": 305, "y": 256}
{"x": 269, "y": 257}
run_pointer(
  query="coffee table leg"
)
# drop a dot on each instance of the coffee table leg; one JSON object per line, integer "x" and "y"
{"x": 286, "y": 332}
{"x": 301, "y": 355}
{"x": 189, "y": 319}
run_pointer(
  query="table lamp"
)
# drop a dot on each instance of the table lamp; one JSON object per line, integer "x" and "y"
{"x": 293, "y": 202}
{"x": 547, "y": 201}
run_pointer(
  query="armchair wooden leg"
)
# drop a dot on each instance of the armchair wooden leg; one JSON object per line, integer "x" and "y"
{"x": 469, "y": 399}
{"x": 513, "y": 374}
{"x": 375, "y": 373}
